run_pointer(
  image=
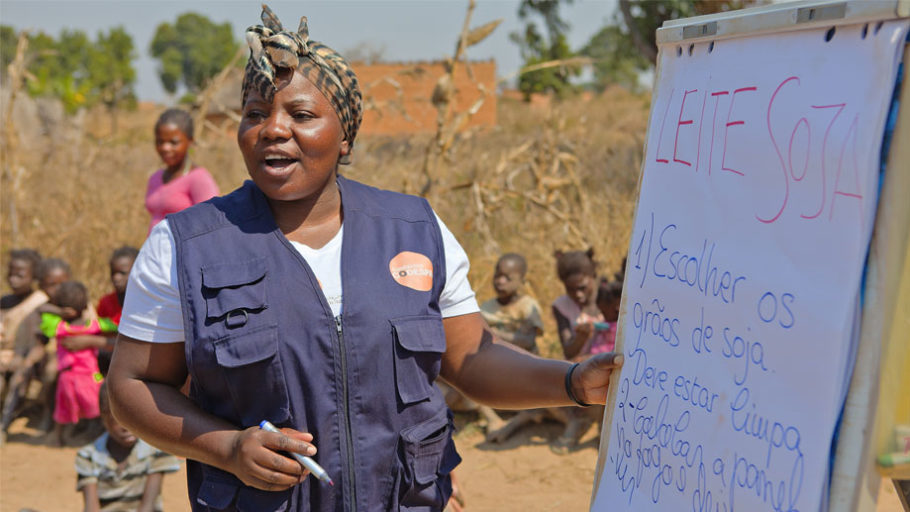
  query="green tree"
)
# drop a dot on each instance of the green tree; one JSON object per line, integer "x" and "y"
{"x": 113, "y": 59}
{"x": 41, "y": 63}
{"x": 8, "y": 40}
{"x": 625, "y": 47}
{"x": 72, "y": 70}
{"x": 615, "y": 61}
{"x": 191, "y": 51}
{"x": 642, "y": 18}
{"x": 113, "y": 71}
{"x": 81, "y": 72}
{"x": 537, "y": 48}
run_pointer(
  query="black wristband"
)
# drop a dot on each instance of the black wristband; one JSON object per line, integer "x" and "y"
{"x": 569, "y": 387}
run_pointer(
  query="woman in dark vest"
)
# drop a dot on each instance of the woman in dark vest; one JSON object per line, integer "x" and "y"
{"x": 244, "y": 294}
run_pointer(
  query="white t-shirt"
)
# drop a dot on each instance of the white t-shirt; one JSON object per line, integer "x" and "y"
{"x": 152, "y": 308}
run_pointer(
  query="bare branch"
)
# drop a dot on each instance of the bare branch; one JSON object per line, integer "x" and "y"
{"x": 570, "y": 62}
{"x": 646, "y": 48}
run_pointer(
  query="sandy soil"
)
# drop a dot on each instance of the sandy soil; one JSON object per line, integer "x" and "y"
{"x": 521, "y": 474}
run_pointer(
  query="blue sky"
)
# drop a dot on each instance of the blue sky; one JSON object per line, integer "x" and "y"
{"x": 406, "y": 29}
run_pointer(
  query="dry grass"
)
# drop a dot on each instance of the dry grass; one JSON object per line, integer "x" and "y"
{"x": 562, "y": 178}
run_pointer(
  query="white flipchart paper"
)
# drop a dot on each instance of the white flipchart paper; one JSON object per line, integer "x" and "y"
{"x": 757, "y": 204}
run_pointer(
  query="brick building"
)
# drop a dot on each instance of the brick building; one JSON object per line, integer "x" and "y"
{"x": 397, "y": 96}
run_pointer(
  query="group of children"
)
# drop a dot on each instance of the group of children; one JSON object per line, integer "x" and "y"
{"x": 53, "y": 335}
{"x": 585, "y": 316}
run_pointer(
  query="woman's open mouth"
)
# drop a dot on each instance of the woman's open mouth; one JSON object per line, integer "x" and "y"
{"x": 278, "y": 164}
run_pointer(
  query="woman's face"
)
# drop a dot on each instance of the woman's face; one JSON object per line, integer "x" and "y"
{"x": 291, "y": 146}
{"x": 171, "y": 144}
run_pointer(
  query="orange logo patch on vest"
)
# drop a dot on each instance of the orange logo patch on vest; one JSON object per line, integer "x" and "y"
{"x": 413, "y": 270}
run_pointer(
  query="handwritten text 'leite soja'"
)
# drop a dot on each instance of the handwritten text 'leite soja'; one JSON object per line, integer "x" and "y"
{"x": 814, "y": 148}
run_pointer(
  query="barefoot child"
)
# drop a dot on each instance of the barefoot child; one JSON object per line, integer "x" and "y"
{"x": 513, "y": 317}
{"x": 111, "y": 305}
{"x": 77, "y": 363}
{"x": 118, "y": 471}
{"x": 577, "y": 315}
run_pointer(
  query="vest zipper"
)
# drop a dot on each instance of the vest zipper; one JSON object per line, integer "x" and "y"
{"x": 352, "y": 490}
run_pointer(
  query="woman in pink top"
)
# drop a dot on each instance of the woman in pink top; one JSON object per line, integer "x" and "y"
{"x": 180, "y": 184}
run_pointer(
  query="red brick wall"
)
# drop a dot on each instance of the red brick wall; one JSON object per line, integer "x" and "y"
{"x": 386, "y": 103}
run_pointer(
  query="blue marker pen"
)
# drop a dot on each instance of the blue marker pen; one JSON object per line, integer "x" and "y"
{"x": 305, "y": 461}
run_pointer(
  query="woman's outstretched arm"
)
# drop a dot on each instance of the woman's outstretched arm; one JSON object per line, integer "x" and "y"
{"x": 502, "y": 376}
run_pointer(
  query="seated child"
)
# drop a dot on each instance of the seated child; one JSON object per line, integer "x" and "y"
{"x": 513, "y": 316}
{"x": 78, "y": 377}
{"x": 32, "y": 359}
{"x": 15, "y": 307}
{"x": 576, "y": 311}
{"x": 119, "y": 472}
{"x": 577, "y": 318}
{"x": 111, "y": 305}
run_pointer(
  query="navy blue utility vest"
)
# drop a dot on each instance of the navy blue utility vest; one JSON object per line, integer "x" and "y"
{"x": 262, "y": 344}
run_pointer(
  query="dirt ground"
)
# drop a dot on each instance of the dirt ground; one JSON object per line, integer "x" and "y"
{"x": 521, "y": 474}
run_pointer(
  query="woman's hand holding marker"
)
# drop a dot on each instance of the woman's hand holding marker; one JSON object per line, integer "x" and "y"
{"x": 257, "y": 460}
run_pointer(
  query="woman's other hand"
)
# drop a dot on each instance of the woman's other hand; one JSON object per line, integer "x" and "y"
{"x": 592, "y": 377}
{"x": 257, "y": 460}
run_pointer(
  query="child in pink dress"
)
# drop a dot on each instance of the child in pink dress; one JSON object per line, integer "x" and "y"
{"x": 576, "y": 312}
{"x": 180, "y": 184}
{"x": 78, "y": 378}
{"x": 577, "y": 320}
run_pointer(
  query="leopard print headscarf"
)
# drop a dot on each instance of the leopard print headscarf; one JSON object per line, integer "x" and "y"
{"x": 272, "y": 47}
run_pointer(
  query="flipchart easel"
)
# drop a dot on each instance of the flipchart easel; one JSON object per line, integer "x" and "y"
{"x": 879, "y": 390}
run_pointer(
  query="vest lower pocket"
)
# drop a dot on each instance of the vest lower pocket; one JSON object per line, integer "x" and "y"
{"x": 222, "y": 491}
{"x": 253, "y": 373}
{"x": 427, "y": 455}
{"x": 218, "y": 489}
{"x": 419, "y": 344}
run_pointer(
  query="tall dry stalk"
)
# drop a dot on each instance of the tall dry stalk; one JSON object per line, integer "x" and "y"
{"x": 448, "y": 124}
{"x": 12, "y": 171}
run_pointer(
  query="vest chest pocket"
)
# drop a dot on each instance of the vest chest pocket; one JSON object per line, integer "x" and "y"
{"x": 252, "y": 369}
{"x": 419, "y": 344}
{"x": 231, "y": 290}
